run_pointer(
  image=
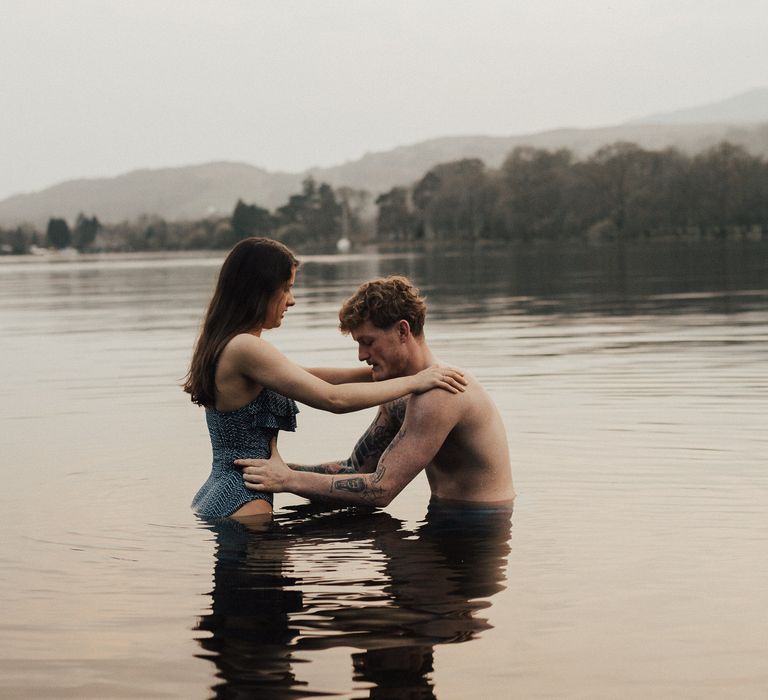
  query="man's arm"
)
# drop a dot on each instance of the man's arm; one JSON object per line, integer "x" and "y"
{"x": 341, "y": 467}
{"x": 369, "y": 447}
{"x": 428, "y": 421}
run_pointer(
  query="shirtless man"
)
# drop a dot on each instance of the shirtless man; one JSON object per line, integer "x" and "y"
{"x": 459, "y": 439}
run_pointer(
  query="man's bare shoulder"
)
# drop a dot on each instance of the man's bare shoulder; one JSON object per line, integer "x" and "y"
{"x": 438, "y": 405}
{"x": 470, "y": 408}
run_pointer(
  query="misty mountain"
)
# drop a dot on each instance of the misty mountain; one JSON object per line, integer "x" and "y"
{"x": 175, "y": 194}
{"x": 197, "y": 191}
{"x": 743, "y": 108}
{"x": 378, "y": 172}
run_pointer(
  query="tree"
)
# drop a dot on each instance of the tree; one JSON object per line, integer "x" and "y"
{"x": 155, "y": 234}
{"x": 85, "y": 231}
{"x": 394, "y": 222}
{"x": 251, "y": 220}
{"x": 17, "y": 241}
{"x": 315, "y": 210}
{"x": 357, "y": 212}
{"x": 671, "y": 206}
{"x": 536, "y": 185}
{"x": 58, "y": 234}
{"x": 722, "y": 179}
{"x": 454, "y": 200}
{"x": 324, "y": 215}
{"x": 621, "y": 172}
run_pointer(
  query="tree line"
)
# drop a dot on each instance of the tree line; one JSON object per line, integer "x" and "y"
{"x": 314, "y": 218}
{"x": 621, "y": 192}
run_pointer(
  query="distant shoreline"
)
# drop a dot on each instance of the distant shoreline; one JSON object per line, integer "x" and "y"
{"x": 362, "y": 251}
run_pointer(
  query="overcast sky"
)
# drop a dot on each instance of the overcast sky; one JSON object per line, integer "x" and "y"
{"x": 100, "y": 87}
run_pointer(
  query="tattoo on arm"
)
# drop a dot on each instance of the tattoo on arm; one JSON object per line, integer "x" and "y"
{"x": 368, "y": 487}
{"x": 330, "y": 468}
{"x": 370, "y": 445}
{"x": 397, "y": 411}
{"x": 356, "y": 485}
{"x": 368, "y": 457}
{"x": 369, "y": 448}
{"x": 374, "y": 442}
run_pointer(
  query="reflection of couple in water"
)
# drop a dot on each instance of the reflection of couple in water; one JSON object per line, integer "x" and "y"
{"x": 282, "y": 590}
{"x": 431, "y": 418}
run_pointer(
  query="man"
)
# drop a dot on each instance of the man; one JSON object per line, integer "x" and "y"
{"x": 459, "y": 439}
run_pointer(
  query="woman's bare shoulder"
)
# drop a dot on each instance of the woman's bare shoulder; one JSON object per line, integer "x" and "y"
{"x": 248, "y": 351}
{"x": 240, "y": 348}
{"x": 246, "y": 343}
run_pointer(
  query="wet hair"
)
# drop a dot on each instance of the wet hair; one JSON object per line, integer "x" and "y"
{"x": 251, "y": 274}
{"x": 384, "y": 302}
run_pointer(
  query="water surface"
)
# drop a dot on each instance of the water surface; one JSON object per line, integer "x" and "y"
{"x": 633, "y": 384}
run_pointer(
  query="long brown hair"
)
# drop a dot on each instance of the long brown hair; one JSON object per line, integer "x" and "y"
{"x": 253, "y": 271}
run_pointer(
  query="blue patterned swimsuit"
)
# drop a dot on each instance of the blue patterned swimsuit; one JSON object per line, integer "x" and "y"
{"x": 240, "y": 434}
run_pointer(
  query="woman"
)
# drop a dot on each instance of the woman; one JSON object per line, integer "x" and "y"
{"x": 248, "y": 387}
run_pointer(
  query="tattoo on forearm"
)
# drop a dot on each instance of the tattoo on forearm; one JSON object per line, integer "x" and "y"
{"x": 332, "y": 468}
{"x": 368, "y": 487}
{"x": 355, "y": 485}
{"x": 359, "y": 487}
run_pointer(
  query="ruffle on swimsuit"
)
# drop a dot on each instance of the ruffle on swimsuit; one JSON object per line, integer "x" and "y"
{"x": 272, "y": 410}
{"x": 240, "y": 434}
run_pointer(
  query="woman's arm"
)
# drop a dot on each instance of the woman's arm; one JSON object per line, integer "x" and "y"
{"x": 341, "y": 375}
{"x": 265, "y": 365}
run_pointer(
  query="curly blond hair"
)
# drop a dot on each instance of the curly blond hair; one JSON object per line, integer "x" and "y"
{"x": 384, "y": 302}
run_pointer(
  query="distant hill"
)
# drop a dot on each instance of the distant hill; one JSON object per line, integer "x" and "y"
{"x": 196, "y": 191}
{"x": 747, "y": 107}
{"x": 378, "y": 172}
{"x": 191, "y": 192}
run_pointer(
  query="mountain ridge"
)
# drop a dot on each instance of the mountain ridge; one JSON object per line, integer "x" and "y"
{"x": 196, "y": 191}
{"x": 746, "y": 107}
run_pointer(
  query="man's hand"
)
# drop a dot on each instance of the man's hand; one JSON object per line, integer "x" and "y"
{"x": 271, "y": 474}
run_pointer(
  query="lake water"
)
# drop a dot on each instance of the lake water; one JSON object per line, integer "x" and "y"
{"x": 634, "y": 387}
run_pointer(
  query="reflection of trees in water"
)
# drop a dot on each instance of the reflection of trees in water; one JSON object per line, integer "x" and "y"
{"x": 424, "y": 592}
{"x": 616, "y": 278}
{"x": 576, "y": 278}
